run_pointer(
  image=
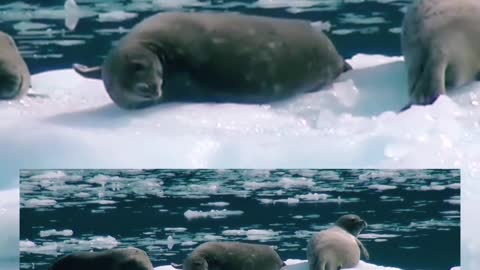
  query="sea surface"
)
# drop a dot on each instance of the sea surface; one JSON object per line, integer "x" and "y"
{"x": 413, "y": 215}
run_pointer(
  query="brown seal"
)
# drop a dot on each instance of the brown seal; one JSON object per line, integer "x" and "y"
{"x": 14, "y": 74}
{"x": 217, "y": 57}
{"x": 440, "y": 42}
{"x": 337, "y": 247}
{"x": 232, "y": 256}
{"x": 113, "y": 259}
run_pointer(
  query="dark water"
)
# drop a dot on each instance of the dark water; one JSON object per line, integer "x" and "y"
{"x": 369, "y": 36}
{"x": 413, "y": 215}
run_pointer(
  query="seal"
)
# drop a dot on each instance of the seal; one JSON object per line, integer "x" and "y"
{"x": 232, "y": 256}
{"x": 337, "y": 247}
{"x": 113, "y": 259}
{"x": 14, "y": 73}
{"x": 216, "y": 57}
{"x": 440, "y": 42}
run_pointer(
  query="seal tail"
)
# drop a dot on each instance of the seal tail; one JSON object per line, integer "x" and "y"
{"x": 88, "y": 72}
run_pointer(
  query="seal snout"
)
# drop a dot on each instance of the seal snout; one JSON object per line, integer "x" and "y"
{"x": 147, "y": 90}
{"x": 364, "y": 223}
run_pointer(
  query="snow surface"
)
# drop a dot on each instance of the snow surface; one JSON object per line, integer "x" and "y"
{"x": 353, "y": 124}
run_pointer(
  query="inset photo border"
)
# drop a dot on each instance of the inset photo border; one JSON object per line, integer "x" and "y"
{"x": 411, "y": 217}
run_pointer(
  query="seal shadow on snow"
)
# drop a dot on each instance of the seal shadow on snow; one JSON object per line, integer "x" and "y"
{"x": 105, "y": 116}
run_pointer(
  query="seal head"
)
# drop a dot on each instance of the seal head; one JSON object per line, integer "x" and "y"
{"x": 351, "y": 223}
{"x": 132, "y": 75}
{"x": 14, "y": 74}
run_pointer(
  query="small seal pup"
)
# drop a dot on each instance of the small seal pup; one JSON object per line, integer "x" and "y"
{"x": 232, "y": 256}
{"x": 14, "y": 73}
{"x": 216, "y": 57}
{"x": 337, "y": 247}
{"x": 441, "y": 44}
{"x": 113, "y": 259}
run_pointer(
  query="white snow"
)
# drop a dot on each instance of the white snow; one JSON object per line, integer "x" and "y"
{"x": 77, "y": 126}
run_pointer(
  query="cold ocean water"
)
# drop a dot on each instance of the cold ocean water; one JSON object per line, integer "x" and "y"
{"x": 351, "y": 124}
{"x": 413, "y": 215}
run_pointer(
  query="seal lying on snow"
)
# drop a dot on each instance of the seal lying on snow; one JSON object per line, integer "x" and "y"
{"x": 441, "y": 45}
{"x": 218, "y": 57}
{"x": 14, "y": 74}
{"x": 114, "y": 259}
{"x": 337, "y": 247}
{"x": 232, "y": 256}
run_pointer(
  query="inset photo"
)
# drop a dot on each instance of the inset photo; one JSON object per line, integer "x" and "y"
{"x": 238, "y": 219}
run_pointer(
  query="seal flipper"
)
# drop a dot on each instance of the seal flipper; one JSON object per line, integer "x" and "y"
{"x": 88, "y": 72}
{"x": 346, "y": 66}
{"x": 363, "y": 250}
{"x": 177, "y": 266}
{"x": 429, "y": 82}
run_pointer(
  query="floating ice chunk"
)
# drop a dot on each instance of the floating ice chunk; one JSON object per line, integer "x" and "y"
{"x": 179, "y": 229}
{"x": 234, "y": 232}
{"x": 285, "y": 183}
{"x": 49, "y": 248}
{"x": 376, "y": 236}
{"x": 100, "y": 242}
{"x": 288, "y": 201}
{"x": 395, "y": 30}
{"x": 190, "y": 214}
{"x": 360, "y": 19}
{"x": 175, "y": 4}
{"x": 378, "y": 175}
{"x": 188, "y": 243}
{"x": 433, "y": 187}
{"x": 116, "y": 16}
{"x": 24, "y": 26}
{"x": 72, "y": 14}
{"x": 54, "y": 232}
{"x": 381, "y": 187}
{"x": 322, "y": 26}
{"x": 36, "y": 203}
{"x": 252, "y": 234}
{"x": 170, "y": 242}
{"x": 285, "y": 3}
{"x": 266, "y": 201}
{"x": 216, "y": 204}
{"x": 24, "y": 244}
{"x": 313, "y": 197}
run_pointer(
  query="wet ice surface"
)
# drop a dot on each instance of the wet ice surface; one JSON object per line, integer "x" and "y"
{"x": 170, "y": 212}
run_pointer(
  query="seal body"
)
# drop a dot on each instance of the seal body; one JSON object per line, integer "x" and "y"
{"x": 441, "y": 45}
{"x": 14, "y": 74}
{"x": 218, "y": 57}
{"x": 114, "y": 259}
{"x": 232, "y": 256}
{"x": 338, "y": 246}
